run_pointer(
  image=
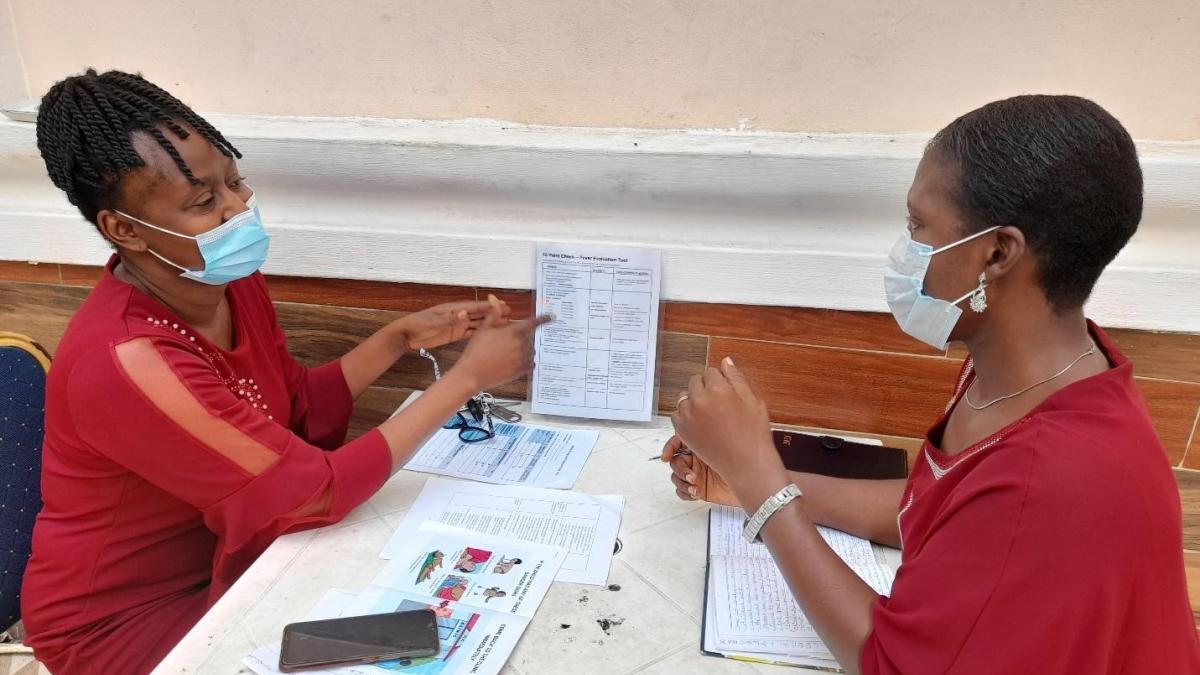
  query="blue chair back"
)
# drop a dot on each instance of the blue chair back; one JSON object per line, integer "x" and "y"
{"x": 23, "y": 366}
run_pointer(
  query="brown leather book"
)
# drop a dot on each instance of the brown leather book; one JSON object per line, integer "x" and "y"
{"x": 840, "y": 458}
{"x": 825, "y": 455}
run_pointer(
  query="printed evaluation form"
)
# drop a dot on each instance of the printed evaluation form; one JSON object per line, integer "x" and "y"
{"x": 585, "y": 525}
{"x": 597, "y": 359}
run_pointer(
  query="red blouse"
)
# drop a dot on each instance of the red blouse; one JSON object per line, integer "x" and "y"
{"x": 169, "y": 465}
{"x": 1054, "y": 546}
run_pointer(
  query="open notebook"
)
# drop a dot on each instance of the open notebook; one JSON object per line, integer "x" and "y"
{"x": 749, "y": 612}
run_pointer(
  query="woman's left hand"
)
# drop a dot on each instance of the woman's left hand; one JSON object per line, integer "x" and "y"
{"x": 451, "y": 322}
{"x": 726, "y": 425}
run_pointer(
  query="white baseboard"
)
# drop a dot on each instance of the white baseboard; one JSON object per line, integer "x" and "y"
{"x": 741, "y": 217}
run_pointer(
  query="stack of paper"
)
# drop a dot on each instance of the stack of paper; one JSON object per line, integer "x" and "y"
{"x": 750, "y": 612}
{"x": 585, "y": 525}
{"x": 482, "y": 557}
{"x": 484, "y": 591}
{"x": 519, "y": 454}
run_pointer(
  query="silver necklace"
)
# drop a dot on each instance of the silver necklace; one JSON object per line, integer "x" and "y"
{"x": 967, "y": 396}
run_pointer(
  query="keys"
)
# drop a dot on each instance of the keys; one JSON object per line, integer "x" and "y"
{"x": 495, "y": 409}
{"x": 480, "y": 407}
{"x": 510, "y": 416}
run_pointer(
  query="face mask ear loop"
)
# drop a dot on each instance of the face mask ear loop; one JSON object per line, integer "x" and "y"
{"x": 154, "y": 227}
{"x": 977, "y": 235}
{"x": 178, "y": 267}
{"x": 973, "y": 291}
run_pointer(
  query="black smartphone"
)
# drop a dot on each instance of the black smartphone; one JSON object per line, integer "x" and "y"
{"x": 359, "y": 639}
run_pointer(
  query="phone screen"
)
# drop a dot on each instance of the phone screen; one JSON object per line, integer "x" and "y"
{"x": 359, "y": 639}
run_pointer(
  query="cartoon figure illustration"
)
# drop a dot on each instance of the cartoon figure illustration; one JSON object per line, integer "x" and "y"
{"x": 432, "y": 561}
{"x": 505, "y": 565}
{"x": 471, "y": 559}
{"x": 451, "y": 588}
{"x": 442, "y": 610}
{"x": 493, "y": 592}
{"x": 453, "y": 628}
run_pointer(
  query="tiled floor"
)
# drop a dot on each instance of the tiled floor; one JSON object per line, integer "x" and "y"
{"x": 20, "y": 664}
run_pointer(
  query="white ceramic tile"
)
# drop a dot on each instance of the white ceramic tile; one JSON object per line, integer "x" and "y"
{"x": 609, "y": 438}
{"x": 364, "y": 512}
{"x": 399, "y": 492}
{"x": 672, "y": 556}
{"x": 222, "y": 618}
{"x": 646, "y": 484}
{"x": 654, "y": 439}
{"x": 346, "y": 557}
{"x": 636, "y": 431}
{"x": 226, "y": 655}
{"x": 394, "y": 518}
{"x": 644, "y": 627}
{"x": 689, "y": 660}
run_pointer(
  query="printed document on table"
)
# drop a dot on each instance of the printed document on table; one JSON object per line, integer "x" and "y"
{"x": 585, "y": 525}
{"x": 471, "y": 640}
{"x": 473, "y": 569}
{"x": 597, "y": 358}
{"x": 519, "y": 454}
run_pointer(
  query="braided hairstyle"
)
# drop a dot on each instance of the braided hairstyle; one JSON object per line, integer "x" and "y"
{"x": 85, "y": 128}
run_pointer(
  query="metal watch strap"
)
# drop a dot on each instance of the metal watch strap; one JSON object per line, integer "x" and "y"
{"x": 754, "y": 524}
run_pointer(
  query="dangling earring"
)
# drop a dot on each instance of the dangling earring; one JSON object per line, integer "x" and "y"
{"x": 979, "y": 297}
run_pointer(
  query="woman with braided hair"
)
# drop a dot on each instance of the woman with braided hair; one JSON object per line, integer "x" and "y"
{"x": 181, "y": 437}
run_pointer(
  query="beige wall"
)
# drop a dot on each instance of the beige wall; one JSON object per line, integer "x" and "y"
{"x": 801, "y": 65}
{"x": 12, "y": 79}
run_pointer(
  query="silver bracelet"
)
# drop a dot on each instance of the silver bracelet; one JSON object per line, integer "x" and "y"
{"x": 754, "y": 524}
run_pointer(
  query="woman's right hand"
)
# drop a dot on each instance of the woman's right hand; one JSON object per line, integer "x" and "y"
{"x": 692, "y": 478}
{"x": 498, "y": 354}
{"x": 683, "y": 474}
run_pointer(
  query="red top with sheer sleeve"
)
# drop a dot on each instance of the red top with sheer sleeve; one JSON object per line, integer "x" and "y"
{"x": 169, "y": 465}
{"x": 1054, "y": 546}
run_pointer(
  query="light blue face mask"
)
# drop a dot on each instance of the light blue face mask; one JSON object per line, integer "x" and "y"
{"x": 922, "y": 316}
{"x": 233, "y": 250}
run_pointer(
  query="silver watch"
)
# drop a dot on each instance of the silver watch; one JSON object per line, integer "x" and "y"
{"x": 754, "y": 524}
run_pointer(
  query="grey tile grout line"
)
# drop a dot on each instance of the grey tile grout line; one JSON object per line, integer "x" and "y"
{"x": 853, "y": 350}
{"x": 250, "y": 607}
{"x": 271, "y": 586}
{"x": 689, "y": 333}
{"x": 662, "y": 595}
{"x": 248, "y": 632}
{"x": 1163, "y": 379}
{"x": 671, "y": 651}
{"x": 1191, "y": 438}
{"x": 668, "y": 519}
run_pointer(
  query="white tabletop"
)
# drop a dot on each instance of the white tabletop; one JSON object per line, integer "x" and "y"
{"x": 660, "y": 573}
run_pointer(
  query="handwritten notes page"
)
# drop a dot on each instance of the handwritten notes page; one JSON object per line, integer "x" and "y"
{"x": 750, "y": 609}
